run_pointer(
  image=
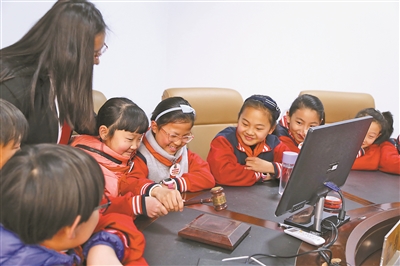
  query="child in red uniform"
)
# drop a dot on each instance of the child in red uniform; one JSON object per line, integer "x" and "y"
{"x": 107, "y": 246}
{"x": 389, "y": 161}
{"x": 377, "y": 152}
{"x": 248, "y": 153}
{"x": 121, "y": 125}
{"x": 166, "y": 162}
{"x": 306, "y": 111}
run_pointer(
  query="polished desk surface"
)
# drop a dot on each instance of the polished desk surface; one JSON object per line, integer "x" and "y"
{"x": 256, "y": 206}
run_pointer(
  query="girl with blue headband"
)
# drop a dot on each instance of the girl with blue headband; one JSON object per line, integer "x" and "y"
{"x": 248, "y": 153}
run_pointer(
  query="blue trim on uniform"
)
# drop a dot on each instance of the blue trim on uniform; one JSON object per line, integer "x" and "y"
{"x": 143, "y": 201}
{"x": 108, "y": 239}
{"x": 230, "y": 134}
{"x": 284, "y": 132}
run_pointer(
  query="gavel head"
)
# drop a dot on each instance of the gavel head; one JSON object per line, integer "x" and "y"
{"x": 218, "y": 198}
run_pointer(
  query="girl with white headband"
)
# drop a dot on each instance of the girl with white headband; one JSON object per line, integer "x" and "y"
{"x": 167, "y": 165}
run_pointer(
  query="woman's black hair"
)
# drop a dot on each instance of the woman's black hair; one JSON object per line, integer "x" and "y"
{"x": 122, "y": 114}
{"x": 311, "y": 102}
{"x": 44, "y": 187}
{"x": 177, "y": 116}
{"x": 60, "y": 47}
{"x": 385, "y": 121}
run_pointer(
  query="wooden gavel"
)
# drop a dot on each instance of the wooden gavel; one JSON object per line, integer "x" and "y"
{"x": 217, "y": 198}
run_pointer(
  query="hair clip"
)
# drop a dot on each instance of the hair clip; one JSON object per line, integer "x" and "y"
{"x": 268, "y": 102}
{"x": 186, "y": 109}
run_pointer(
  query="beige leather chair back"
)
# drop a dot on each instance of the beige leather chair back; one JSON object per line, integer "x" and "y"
{"x": 340, "y": 105}
{"x": 216, "y": 109}
{"x": 98, "y": 100}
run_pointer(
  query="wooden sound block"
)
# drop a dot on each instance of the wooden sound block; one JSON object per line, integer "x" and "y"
{"x": 217, "y": 231}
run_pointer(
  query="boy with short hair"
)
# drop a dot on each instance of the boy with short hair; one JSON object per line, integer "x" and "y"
{"x": 46, "y": 210}
{"x": 13, "y": 130}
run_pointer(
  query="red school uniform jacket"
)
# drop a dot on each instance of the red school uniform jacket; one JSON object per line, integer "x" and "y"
{"x": 290, "y": 143}
{"x": 389, "y": 161}
{"x": 368, "y": 159}
{"x": 133, "y": 240}
{"x": 282, "y": 131}
{"x": 197, "y": 178}
{"x": 383, "y": 157}
{"x": 227, "y": 160}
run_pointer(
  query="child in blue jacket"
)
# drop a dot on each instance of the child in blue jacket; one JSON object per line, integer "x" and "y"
{"x": 50, "y": 205}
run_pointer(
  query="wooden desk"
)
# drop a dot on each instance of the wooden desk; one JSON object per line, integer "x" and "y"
{"x": 256, "y": 206}
{"x": 372, "y": 187}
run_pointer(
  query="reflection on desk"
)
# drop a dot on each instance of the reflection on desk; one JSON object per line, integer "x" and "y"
{"x": 256, "y": 206}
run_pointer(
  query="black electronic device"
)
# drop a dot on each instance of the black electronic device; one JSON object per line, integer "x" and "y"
{"x": 327, "y": 155}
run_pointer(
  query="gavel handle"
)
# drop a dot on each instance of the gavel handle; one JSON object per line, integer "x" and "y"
{"x": 200, "y": 201}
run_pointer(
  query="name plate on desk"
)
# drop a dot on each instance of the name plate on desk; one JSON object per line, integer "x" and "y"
{"x": 217, "y": 231}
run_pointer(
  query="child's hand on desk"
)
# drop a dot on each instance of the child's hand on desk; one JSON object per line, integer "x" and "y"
{"x": 171, "y": 199}
{"x": 259, "y": 165}
{"x": 154, "y": 208}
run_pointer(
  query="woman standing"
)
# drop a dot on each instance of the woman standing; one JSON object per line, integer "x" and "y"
{"x": 48, "y": 73}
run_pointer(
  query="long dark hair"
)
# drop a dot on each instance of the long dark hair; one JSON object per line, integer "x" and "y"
{"x": 60, "y": 47}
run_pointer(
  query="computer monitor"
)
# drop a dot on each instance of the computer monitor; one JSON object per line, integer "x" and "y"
{"x": 327, "y": 154}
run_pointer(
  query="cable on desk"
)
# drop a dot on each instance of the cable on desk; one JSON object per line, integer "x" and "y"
{"x": 323, "y": 251}
{"x": 290, "y": 256}
{"x": 334, "y": 237}
{"x": 335, "y": 233}
{"x": 342, "y": 213}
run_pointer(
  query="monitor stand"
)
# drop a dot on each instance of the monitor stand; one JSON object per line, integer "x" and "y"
{"x": 319, "y": 216}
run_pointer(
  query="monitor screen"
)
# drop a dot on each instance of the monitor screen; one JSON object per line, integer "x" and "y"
{"x": 327, "y": 154}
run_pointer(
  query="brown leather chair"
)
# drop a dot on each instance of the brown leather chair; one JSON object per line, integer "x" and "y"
{"x": 216, "y": 109}
{"x": 98, "y": 100}
{"x": 340, "y": 105}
